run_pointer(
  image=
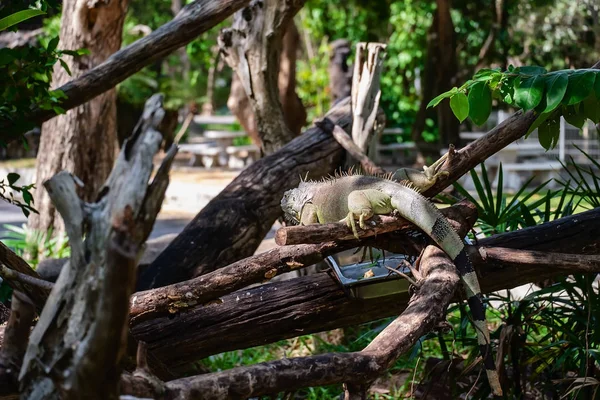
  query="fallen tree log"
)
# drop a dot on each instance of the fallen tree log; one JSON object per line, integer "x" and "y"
{"x": 426, "y": 309}
{"x": 171, "y": 299}
{"x": 280, "y": 310}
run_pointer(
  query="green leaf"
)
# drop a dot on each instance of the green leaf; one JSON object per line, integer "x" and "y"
{"x": 480, "y": 103}
{"x": 591, "y": 108}
{"x": 597, "y": 85}
{"x": 459, "y": 103}
{"x": 556, "y": 86}
{"x": 436, "y": 100}
{"x": 12, "y": 177}
{"x": 574, "y": 116}
{"x": 18, "y": 17}
{"x": 548, "y": 133}
{"x": 528, "y": 92}
{"x": 52, "y": 44}
{"x": 538, "y": 121}
{"x": 580, "y": 85}
{"x": 530, "y": 70}
{"x": 65, "y": 66}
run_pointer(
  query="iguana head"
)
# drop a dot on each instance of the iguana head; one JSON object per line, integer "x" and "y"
{"x": 293, "y": 202}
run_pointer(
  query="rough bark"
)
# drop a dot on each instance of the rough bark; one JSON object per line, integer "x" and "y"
{"x": 234, "y": 223}
{"x": 82, "y": 141}
{"x": 84, "y": 321}
{"x": 252, "y": 48}
{"x": 294, "y": 112}
{"x": 194, "y": 19}
{"x": 280, "y": 310}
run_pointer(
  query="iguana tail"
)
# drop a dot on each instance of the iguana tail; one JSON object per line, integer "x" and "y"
{"x": 474, "y": 299}
{"x": 424, "y": 214}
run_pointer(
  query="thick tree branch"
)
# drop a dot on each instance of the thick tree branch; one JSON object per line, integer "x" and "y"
{"x": 172, "y": 299}
{"x": 195, "y": 18}
{"x": 481, "y": 149}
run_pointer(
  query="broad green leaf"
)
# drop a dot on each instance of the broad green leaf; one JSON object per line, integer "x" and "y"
{"x": 556, "y": 86}
{"x": 591, "y": 108}
{"x": 460, "y": 106}
{"x": 480, "y": 103}
{"x": 580, "y": 85}
{"x": 52, "y": 44}
{"x": 597, "y": 85}
{"x": 531, "y": 70}
{"x": 12, "y": 178}
{"x": 484, "y": 72}
{"x": 65, "y": 66}
{"x": 436, "y": 100}
{"x": 528, "y": 92}
{"x": 548, "y": 133}
{"x": 574, "y": 116}
{"x": 18, "y": 17}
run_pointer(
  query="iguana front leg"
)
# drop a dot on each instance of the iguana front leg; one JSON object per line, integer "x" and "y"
{"x": 425, "y": 179}
{"x": 363, "y": 204}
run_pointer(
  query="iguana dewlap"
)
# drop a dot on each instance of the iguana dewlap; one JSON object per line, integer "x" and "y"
{"x": 354, "y": 198}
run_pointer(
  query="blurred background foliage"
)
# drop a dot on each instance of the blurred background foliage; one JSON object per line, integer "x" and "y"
{"x": 555, "y": 34}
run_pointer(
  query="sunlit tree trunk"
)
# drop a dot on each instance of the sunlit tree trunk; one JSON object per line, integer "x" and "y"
{"x": 84, "y": 140}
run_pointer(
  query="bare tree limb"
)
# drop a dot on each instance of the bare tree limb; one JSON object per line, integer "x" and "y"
{"x": 12, "y": 275}
{"x": 12, "y": 261}
{"x": 481, "y": 149}
{"x": 194, "y": 19}
{"x": 346, "y": 142}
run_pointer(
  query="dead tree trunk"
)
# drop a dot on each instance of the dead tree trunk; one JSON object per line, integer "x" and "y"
{"x": 83, "y": 140}
{"x": 83, "y": 324}
{"x": 252, "y": 48}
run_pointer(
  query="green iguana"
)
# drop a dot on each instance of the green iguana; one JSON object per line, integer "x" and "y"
{"x": 356, "y": 197}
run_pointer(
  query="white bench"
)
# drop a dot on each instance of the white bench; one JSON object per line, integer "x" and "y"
{"x": 206, "y": 154}
{"x": 241, "y": 156}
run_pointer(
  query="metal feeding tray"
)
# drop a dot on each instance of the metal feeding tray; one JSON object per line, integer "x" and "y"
{"x": 378, "y": 281}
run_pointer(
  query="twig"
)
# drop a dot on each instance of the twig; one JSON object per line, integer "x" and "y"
{"x": 11, "y": 274}
{"x": 346, "y": 142}
{"x": 184, "y": 127}
{"x": 402, "y": 274}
